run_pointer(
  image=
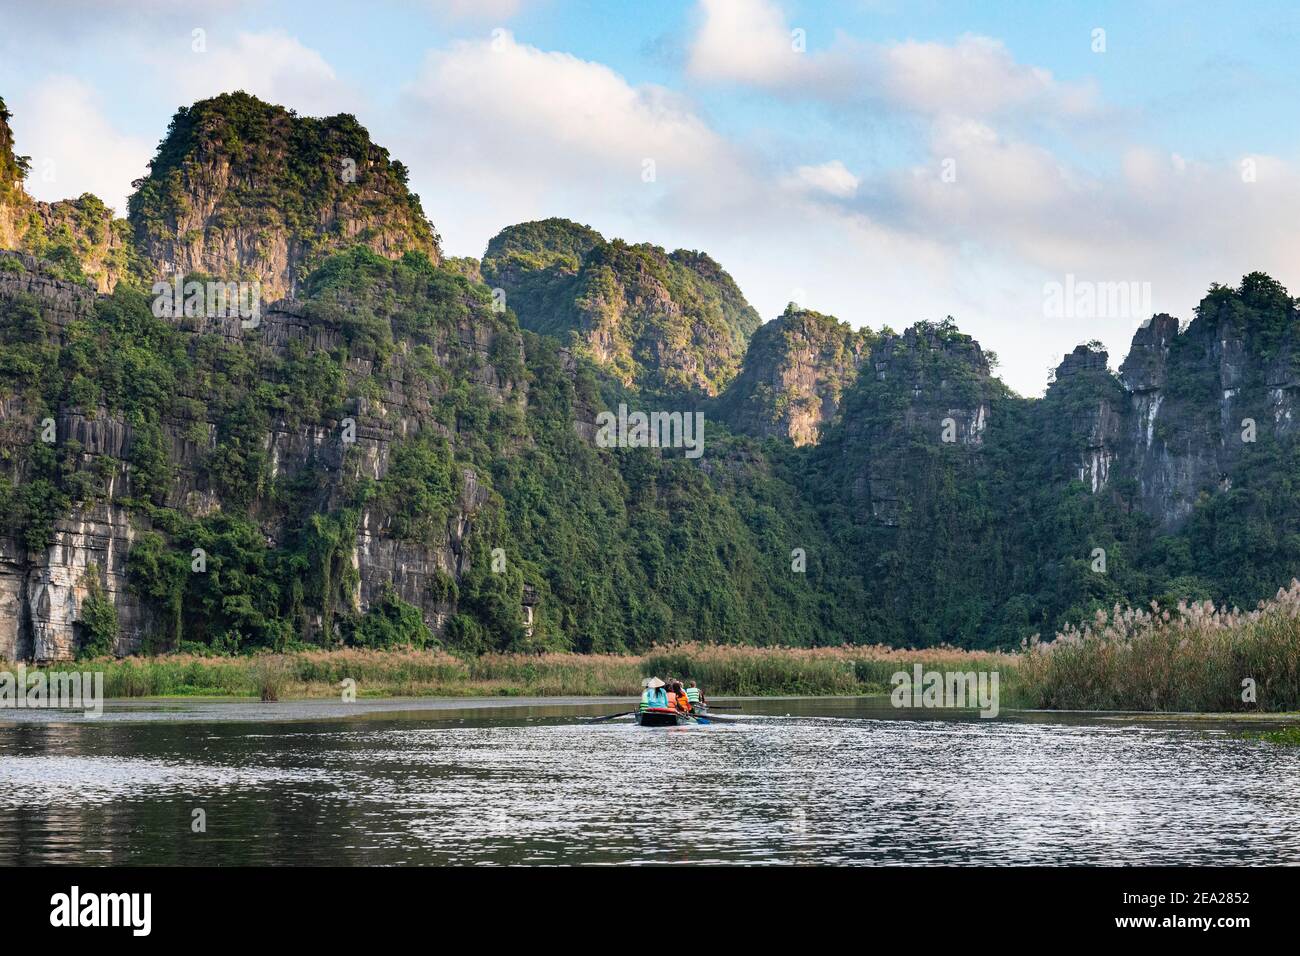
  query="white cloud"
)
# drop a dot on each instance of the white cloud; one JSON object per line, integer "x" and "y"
{"x": 832, "y": 178}
{"x": 548, "y": 106}
{"x": 476, "y": 9}
{"x": 975, "y": 76}
{"x": 272, "y": 65}
{"x": 59, "y": 122}
{"x": 745, "y": 41}
{"x": 750, "y": 42}
{"x": 499, "y": 131}
{"x": 499, "y": 135}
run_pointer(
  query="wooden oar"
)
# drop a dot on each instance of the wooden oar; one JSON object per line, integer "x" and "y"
{"x": 724, "y": 707}
{"x": 626, "y": 713}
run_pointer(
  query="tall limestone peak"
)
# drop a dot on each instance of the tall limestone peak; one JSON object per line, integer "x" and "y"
{"x": 657, "y": 320}
{"x": 928, "y": 391}
{"x": 79, "y": 238}
{"x": 243, "y": 189}
{"x": 1080, "y": 419}
{"x": 795, "y": 372}
{"x": 1207, "y": 399}
{"x": 15, "y": 205}
{"x": 12, "y": 167}
{"x": 537, "y": 264}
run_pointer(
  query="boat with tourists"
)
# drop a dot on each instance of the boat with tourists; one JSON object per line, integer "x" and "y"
{"x": 668, "y": 704}
{"x": 676, "y": 707}
{"x": 664, "y": 717}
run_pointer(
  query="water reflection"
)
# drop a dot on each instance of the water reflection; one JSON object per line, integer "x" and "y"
{"x": 535, "y": 785}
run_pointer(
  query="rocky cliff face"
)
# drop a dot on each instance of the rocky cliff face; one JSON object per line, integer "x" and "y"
{"x": 795, "y": 372}
{"x": 343, "y": 468}
{"x": 242, "y": 190}
{"x": 1206, "y": 399}
{"x": 80, "y": 238}
{"x": 12, "y": 170}
{"x": 657, "y": 320}
{"x": 388, "y": 400}
{"x": 1188, "y": 407}
{"x": 927, "y": 391}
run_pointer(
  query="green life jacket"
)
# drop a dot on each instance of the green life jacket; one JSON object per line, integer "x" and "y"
{"x": 693, "y": 695}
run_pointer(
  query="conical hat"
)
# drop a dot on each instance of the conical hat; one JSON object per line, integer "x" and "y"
{"x": 652, "y": 682}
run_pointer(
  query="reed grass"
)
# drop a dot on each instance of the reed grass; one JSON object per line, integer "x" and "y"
{"x": 850, "y": 669}
{"x": 721, "y": 670}
{"x": 1196, "y": 657}
{"x": 1192, "y": 658}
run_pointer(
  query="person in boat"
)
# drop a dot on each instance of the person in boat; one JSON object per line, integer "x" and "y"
{"x": 653, "y": 695}
{"x": 677, "y": 699}
{"x": 693, "y": 696}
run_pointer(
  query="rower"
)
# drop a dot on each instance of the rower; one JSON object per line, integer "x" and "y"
{"x": 694, "y": 696}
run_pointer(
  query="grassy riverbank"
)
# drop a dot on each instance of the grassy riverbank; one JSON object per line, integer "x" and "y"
{"x": 722, "y": 671}
{"x": 1191, "y": 658}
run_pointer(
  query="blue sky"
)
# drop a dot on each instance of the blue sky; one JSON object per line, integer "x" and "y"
{"x": 906, "y": 161}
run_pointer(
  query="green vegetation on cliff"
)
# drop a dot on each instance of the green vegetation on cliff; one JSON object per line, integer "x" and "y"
{"x": 660, "y": 321}
{"x": 795, "y": 372}
{"x": 623, "y": 547}
{"x": 399, "y": 458}
{"x": 13, "y": 168}
{"x": 247, "y": 190}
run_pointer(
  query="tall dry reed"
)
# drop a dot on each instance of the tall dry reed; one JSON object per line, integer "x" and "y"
{"x": 1196, "y": 657}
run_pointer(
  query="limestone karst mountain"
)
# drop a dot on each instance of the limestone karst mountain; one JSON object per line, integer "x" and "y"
{"x": 657, "y": 320}
{"x": 794, "y": 375}
{"x": 390, "y": 456}
{"x": 80, "y": 237}
{"x": 244, "y": 190}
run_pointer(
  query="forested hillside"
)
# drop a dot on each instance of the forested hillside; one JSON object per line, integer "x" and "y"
{"x": 402, "y": 450}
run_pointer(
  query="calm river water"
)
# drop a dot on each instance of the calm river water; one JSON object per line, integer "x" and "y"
{"x": 788, "y": 781}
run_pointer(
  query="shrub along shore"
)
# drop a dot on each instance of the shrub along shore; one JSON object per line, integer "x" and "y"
{"x": 1192, "y": 658}
{"x": 721, "y": 670}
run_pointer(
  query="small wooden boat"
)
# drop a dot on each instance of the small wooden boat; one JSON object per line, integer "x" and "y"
{"x": 663, "y": 717}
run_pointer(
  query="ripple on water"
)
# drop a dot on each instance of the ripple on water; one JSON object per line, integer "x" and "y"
{"x": 789, "y": 790}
